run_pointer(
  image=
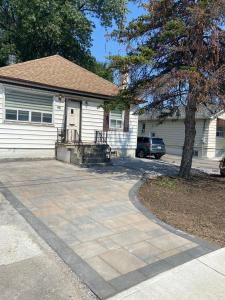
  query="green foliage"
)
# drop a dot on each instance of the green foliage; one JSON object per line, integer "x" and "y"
{"x": 142, "y": 55}
{"x": 36, "y": 28}
{"x": 173, "y": 28}
{"x": 121, "y": 102}
{"x": 167, "y": 182}
{"x": 103, "y": 70}
{"x": 174, "y": 45}
{"x": 185, "y": 63}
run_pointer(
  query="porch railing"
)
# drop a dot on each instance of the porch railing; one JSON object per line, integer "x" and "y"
{"x": 101, "y": 137}
{"x": 68, "y": 136}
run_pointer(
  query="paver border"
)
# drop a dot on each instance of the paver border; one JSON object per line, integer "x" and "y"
{"x": 133, "y": 196}
{"x": 86, "y": 273}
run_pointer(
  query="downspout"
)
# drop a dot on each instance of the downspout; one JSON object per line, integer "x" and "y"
{"x": 65, "y": 121}
{"x": 80, "y": 123}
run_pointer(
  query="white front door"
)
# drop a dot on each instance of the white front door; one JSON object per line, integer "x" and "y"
{"x": 73, "y": 120}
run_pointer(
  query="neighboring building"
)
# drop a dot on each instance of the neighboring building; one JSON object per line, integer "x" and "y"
{"x": 210, "y": 132}
{"x": 43, "y": 96}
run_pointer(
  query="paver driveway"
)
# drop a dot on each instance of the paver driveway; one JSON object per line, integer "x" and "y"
{"x": 87, "y": 217}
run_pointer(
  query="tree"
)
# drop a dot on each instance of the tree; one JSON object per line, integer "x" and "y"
{"x": 176, "y": 58}
{"x": 103, "y": 70}
{"x": 32, "y": 29}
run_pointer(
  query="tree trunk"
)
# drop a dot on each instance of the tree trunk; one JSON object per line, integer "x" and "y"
{"x": 190, "y": 132}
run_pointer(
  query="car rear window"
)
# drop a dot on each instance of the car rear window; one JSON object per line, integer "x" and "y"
{"x": 157, "y": 141}
{"x": 143, "y": 140}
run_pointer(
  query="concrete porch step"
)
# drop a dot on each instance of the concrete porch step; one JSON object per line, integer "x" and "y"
{"x": 95, "y": 159}
{"x": 83, "y": 154}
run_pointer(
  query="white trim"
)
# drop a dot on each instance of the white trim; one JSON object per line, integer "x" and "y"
{"x": 122, "y": 122}
{"x": 3, "y": 103}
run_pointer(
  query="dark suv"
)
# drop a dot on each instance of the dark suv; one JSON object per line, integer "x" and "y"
{"x": 150, "y": 146}
{"x": 222, "y": 167}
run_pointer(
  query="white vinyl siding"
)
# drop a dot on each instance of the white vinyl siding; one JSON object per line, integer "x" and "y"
{"x": 35, "y": 141}
{"x": 123, "y": 141}
{"x": 2, "y": 101}
{"x": 173, "y": 133}
{"x": 220, "y": 146}
{"x": 59, "y": 112}
{"x": 21, "y": 139}
{"x": 92, "y": 121}
{"x": 211, "y": 138}
{"x": 30, "y": 140}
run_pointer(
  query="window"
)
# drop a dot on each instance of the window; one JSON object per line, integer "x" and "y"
{"x": 157, "y": 141}
{"x": 11, "y": 114}
{"x": 28, "y": 106}
{"x": 47, "y": 118}
{"x": 35, "y": 117}
{"x": 220, "y": 131}
{"x": 116, "y": 119}
{"x": 146, "y": 140}
{"x": 28, "y": 116}
{"x": 23, "y": 115}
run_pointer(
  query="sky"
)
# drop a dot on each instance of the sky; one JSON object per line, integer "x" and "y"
{"x": 102, "y": 46}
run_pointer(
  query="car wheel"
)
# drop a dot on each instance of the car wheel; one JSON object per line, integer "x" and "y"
{"x": 141, "y": 154}
{"x": 158, "y": 156}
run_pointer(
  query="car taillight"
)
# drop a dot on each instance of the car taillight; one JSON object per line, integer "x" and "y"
{"x": 149, "y": 145}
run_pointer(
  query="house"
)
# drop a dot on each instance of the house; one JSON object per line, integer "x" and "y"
{"x": 51, "y": 100}
{"x": 210, "y": 131}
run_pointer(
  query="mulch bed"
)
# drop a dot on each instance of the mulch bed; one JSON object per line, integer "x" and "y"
{"x": 196, "y": 206}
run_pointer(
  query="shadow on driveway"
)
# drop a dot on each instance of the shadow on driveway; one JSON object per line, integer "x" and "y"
{"x": 134, "y": 168}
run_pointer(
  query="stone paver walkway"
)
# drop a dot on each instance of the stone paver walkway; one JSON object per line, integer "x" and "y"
{"x": 87, "y": 217}
{"x": 29, "y": 269}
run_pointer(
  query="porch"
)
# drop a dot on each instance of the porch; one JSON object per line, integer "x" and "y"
{"x": 71, "y": 149}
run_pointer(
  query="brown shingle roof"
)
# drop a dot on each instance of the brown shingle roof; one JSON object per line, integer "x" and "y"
{"x": 56, "y": 71}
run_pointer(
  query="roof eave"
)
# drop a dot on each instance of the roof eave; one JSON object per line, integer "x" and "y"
{"x": 27, "y": 83}
{"x": 150, "y": 118}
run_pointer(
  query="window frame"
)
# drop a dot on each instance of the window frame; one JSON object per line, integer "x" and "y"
{"x": 220, "y": 133}
{"x": 113, "y": 118}
{"x": 46, "y": 113}
{"x": 29, "y": 121}
{"x": 11, "y": 120}
{"x": 18, "y": 112}
{"x": 37, "y": 122}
